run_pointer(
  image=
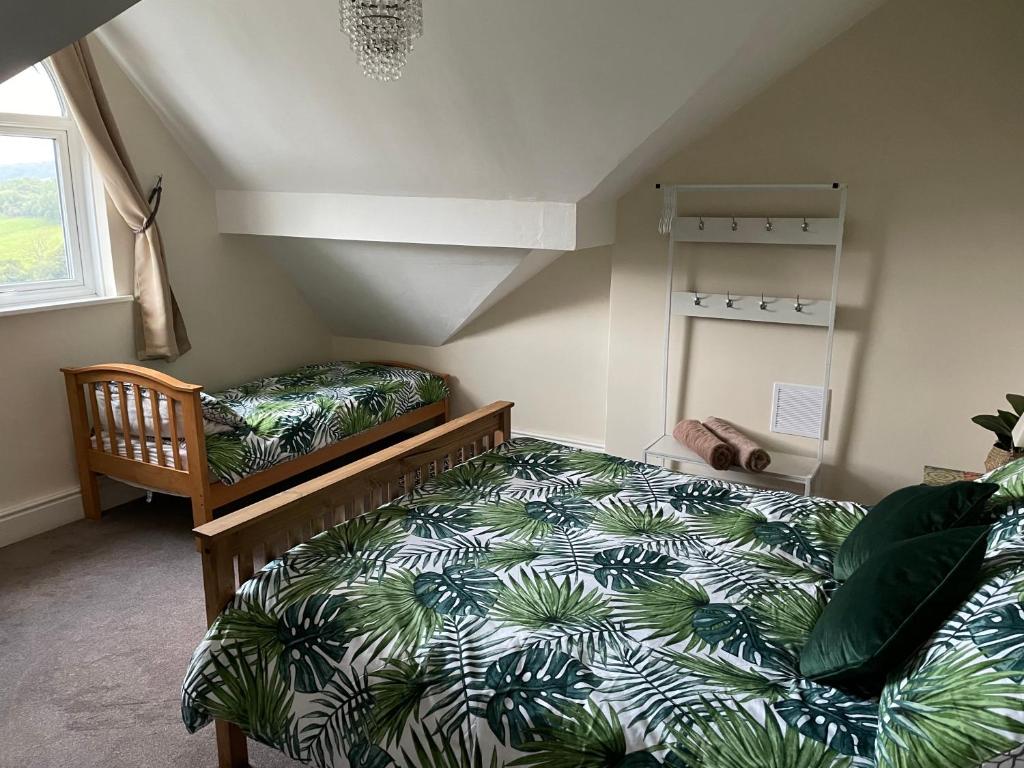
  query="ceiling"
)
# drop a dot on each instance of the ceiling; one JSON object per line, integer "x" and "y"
{"x": 515, "y": 128}
{"x": 501, "y": 99}
{"x": 43, "y": 27}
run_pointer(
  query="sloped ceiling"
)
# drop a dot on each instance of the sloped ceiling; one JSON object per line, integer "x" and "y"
{"x": 520, "y": 121}
{"x": 31, "y": 31}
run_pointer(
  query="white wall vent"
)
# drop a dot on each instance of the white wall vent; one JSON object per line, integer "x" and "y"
{"x": 796, "y": 410}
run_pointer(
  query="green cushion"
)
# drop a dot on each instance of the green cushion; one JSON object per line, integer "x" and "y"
{"x": 890, "y": 606}
{"x": 910, "y": 512}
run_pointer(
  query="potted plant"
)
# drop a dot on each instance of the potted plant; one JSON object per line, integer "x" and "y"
{"x": 1003, "y": 424}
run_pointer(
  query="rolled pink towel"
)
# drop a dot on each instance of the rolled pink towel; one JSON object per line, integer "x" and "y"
{"x": 705, "y": 443}
{"x": 749, "y": 455}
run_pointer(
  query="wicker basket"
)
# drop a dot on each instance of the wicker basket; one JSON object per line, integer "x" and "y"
{"x": 997, "y": 457}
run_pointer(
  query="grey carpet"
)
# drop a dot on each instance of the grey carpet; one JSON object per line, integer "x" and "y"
{"x": 97, "y": 622}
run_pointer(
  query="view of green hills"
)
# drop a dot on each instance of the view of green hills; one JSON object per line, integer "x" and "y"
{"x": 31, "y": 233}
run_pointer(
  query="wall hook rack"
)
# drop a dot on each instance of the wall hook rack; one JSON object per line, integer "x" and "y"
{"x": 760, "y": 230}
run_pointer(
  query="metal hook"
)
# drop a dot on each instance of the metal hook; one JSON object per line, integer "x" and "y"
{"x": 735, "y": 226}
{"x": 768, "y": 226}
{"x": 804, "y": 225}
{"x": 728, "y": 299}
{"x": 696, "y": 299}
{"x": 798, "y": 306}
{"x": 700, "y": 223}
{"x": 763, "y": 304}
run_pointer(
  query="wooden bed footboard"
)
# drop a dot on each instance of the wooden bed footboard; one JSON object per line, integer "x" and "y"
{"x": 137, "y": 450}
{"x": 235, "y": 546}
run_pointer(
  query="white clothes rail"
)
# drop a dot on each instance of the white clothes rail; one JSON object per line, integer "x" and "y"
{"x": 763, "y": 230}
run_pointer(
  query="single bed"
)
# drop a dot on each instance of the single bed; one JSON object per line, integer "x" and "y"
{"x": 544, "y": 607}
{"x": 146, "y": 428}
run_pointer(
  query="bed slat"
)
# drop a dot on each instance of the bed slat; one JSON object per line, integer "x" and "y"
{"x": 158, "y": 438}
{"x": 126, "y": 425}
{"x": 143, "y": 444}
{"x": 109, "y": 408}
{"x": 175, "y": 442}
{"x": 94, "y": 414}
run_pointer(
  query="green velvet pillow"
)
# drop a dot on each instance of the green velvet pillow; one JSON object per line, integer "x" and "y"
{"x": 890, "y": 606}
{"x": 910, "y": 512}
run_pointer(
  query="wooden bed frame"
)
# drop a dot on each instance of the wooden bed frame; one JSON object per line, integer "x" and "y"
{"x": 235, "y": 546}
{"x": 98, "y": 454}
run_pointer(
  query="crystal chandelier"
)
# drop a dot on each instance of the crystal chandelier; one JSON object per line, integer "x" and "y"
{"x": 382, "y": 33}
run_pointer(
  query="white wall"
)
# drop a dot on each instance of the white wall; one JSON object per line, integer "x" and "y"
{"x": 920, "y": 108}
{"x": 243, "y": 315}
{"x": 545, "y": 347}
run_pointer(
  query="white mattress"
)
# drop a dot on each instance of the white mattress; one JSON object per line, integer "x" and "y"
{"x": 166, "y": 447}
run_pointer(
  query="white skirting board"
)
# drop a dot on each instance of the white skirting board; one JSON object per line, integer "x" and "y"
{"x": 31, "y": 518}
{"x": 571, "y": 442}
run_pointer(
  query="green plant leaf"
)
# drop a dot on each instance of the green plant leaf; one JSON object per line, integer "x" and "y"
{"x": 992, "y": 424}
{"x": 398, "y": 688}
{"x": 337, "y": 718}
{"x": 389, "y": 611}
{"x": 562, "y": 512}
{"x": 1009, "y": 419}
{"x": 922, "y": 714}
{"x": 541, "y": 465}
{"x": 1017, "y": 403}
{"x": 599, "y": 466}
{"x": 846, "y": 724}
{"x": 999, "y": 634}
{"x": 437, "y": 521}
{"x": 459, "y": 656}
{"x": 645, "y": 609}
{"x": 626, "y": 520}
{"x": 459, "y": 590}
{"x": 510, "y": 519}
{"x": 736, "y": 631}
{"x": 649, "y": 687}
{"x": 247, "y": 691}
{"x": 528, "y": 685}
{"x": 313, "y": 638}
{"x": 732, "y": 737}
{"x": 702, "y": 496}
{"x": 788, "y": 614}
{"x": 719, "y": 676}
{"x": 539, "y": 602}
{"x": 632, "y": 567}
{"x": 584, "y": 737}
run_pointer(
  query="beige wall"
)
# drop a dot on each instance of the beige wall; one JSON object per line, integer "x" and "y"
{"x": 920, "y": 109}
{"x": 243, "y": 315}
{"x": 545, "y": 347}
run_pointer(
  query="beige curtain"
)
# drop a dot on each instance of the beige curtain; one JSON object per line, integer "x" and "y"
{"x": 159, "y": 329}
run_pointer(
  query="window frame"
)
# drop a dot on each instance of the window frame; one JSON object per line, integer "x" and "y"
{"x": 86, "y": 239}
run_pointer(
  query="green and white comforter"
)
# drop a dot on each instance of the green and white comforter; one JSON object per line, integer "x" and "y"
{"x": 545, "y": 607}
{"x": 271, "y": 420}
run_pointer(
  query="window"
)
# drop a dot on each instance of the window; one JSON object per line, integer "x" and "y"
{"x": 49, "y": 222}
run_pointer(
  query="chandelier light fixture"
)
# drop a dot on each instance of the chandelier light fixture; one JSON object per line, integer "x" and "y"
{"x": 382, "y": 33}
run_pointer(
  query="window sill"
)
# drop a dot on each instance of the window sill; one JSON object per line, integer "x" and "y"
{"x": 47, "y": 306}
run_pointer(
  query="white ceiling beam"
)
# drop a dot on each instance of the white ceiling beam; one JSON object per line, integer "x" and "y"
{"x": 443, "y": 221}
{"x": 533, "y": 225}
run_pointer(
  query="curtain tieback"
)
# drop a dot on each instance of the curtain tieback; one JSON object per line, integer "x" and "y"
{"x": 154, "y": 205}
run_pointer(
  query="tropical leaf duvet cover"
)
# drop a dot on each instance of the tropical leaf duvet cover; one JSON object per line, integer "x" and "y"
{"x": 274, "y": 419}
{"x": 545, "y": 607}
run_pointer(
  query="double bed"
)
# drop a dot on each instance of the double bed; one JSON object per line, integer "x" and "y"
{"x": 467, "y": 599}
{"x": 144, "y": 427}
